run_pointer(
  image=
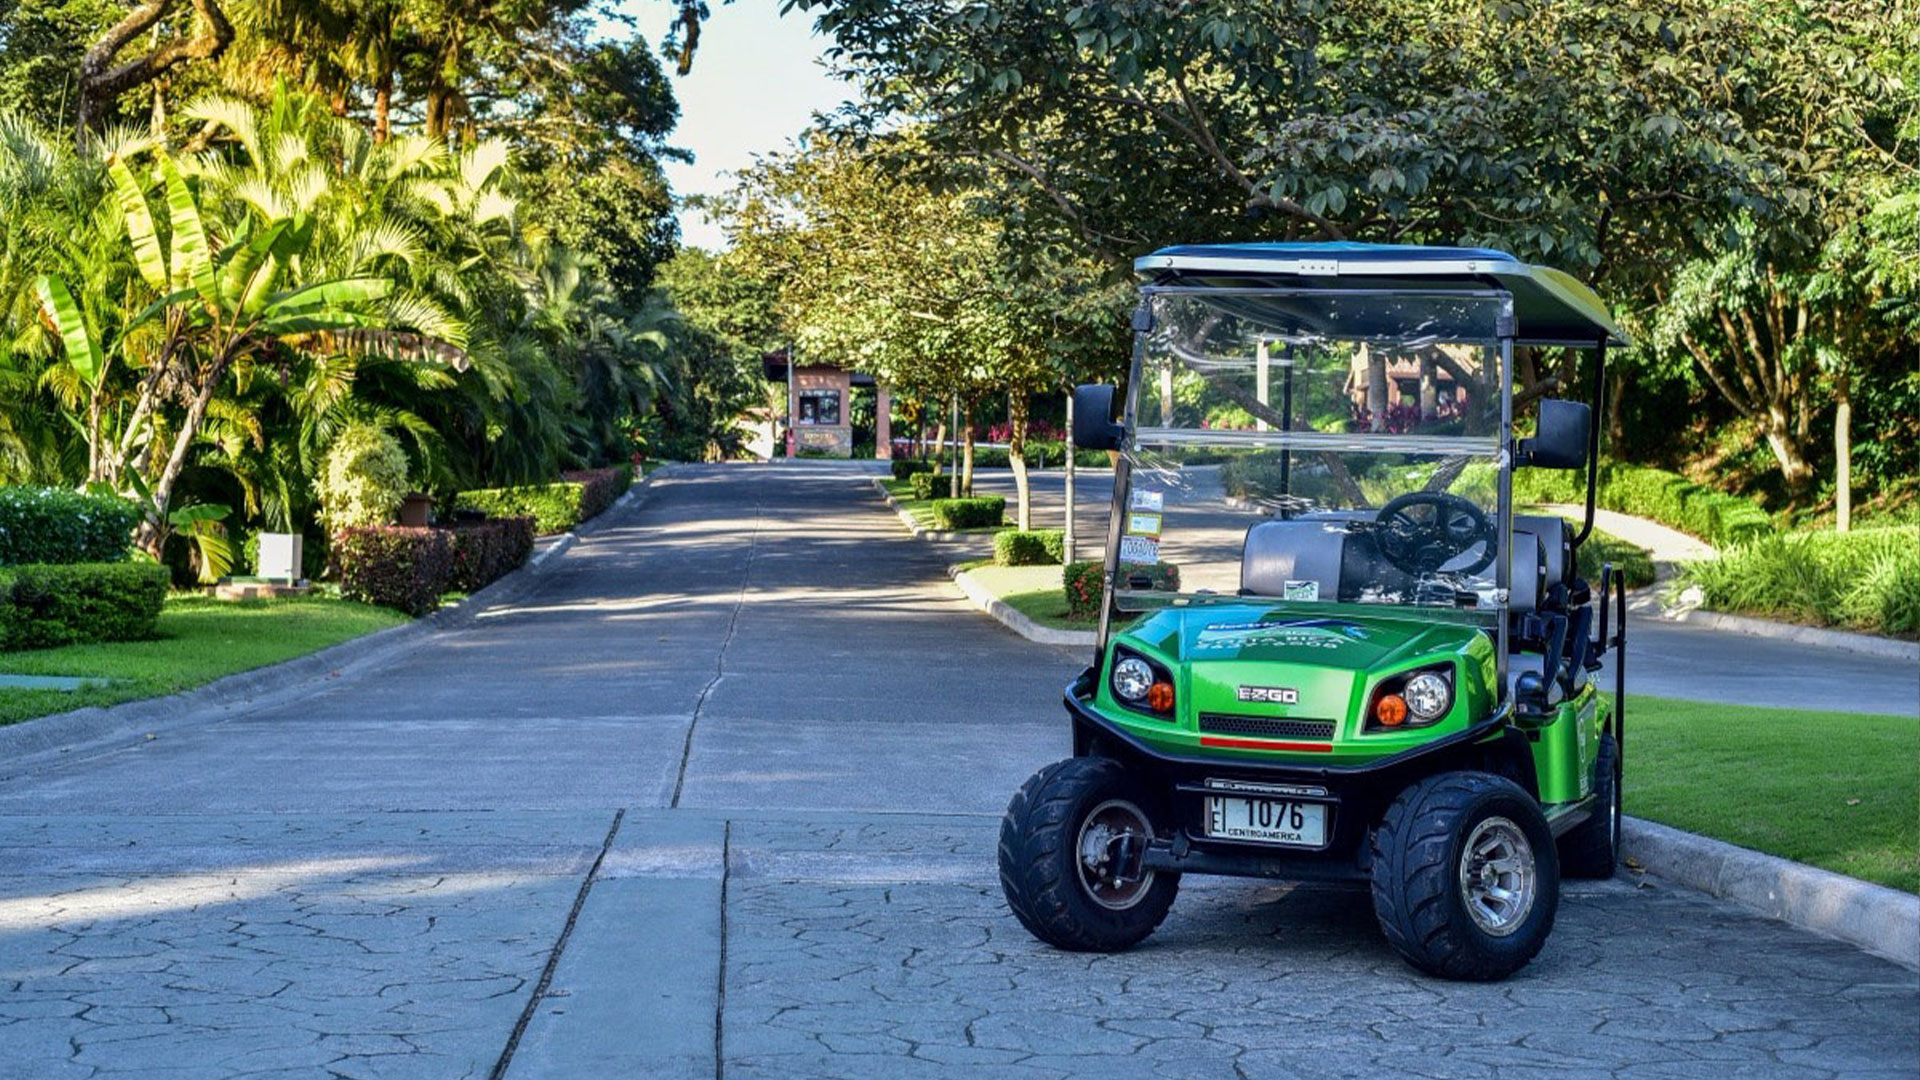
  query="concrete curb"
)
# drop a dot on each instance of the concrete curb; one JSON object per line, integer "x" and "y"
{"x": 936, "y": 535}
{"x": 1867, "y": 644}
{"x": 35, "y": 743}
{"x": 1014, "y": 619}
{"x": 1883, "y": 921}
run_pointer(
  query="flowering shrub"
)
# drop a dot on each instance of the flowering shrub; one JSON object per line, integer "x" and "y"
{"x": 43, "y": 606}
{"x": 52, "y": 525}
{"x": 1081, "y": 581}
{"x": 401, "y": 568}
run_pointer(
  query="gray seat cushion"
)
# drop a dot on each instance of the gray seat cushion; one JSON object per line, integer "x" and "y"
{"x": 1279, "y": 552}
{"x": 1529, "y": 573}
{"x": 1556, "y": 543}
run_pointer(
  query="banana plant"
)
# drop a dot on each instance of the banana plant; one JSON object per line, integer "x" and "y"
{"x": 224, "y": 295}
{"x": 200, "y": 524}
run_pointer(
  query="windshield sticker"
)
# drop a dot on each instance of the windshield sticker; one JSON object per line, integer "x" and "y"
{"x": 1151, "y": 501}
{"x": 1139, "y": 549}
{"x": 1300, "y": 590}
{"x": 1147, "y": 525}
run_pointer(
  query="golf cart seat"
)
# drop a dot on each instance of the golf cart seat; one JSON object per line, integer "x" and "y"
{"x": 1555, "y": 534}
{"x": 1294, "y": 551}
{"x": 1529, "y": 573}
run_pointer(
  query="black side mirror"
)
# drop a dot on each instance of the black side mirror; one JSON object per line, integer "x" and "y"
{"x": 1561, "y": 441}
{"x": 1093, "y": 424}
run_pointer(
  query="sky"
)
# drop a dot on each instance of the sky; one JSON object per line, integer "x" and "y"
{"x": 756, "y": 83}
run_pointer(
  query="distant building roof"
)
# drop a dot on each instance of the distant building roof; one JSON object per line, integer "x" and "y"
{"x": 773, "y": 366}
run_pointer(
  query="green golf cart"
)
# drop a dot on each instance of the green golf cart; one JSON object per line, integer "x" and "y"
{"x": 1330, "y": 649}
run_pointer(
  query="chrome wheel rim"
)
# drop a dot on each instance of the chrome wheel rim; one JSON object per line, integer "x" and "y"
{"x": 1498, "y": 877}
{"x": 1093, "y": 860}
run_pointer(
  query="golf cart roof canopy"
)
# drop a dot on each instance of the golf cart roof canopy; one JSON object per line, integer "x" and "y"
{"x": 1550, "y": 307}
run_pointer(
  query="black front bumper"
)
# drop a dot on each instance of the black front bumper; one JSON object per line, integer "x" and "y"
{"x": 1355, "y": 795}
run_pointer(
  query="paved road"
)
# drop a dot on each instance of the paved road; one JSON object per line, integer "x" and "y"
{"x": 719, "y": 799}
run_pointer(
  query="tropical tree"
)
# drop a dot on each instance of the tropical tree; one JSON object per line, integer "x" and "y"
{"x": 225, "y": 303}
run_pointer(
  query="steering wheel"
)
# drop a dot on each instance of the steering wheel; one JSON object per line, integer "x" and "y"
{"x": 1421, "y": 531}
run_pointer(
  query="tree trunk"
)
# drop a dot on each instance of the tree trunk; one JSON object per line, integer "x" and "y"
{"x": 152, "y": 534}
{"x": 102, "y": 83}
{"x": 1166, "y": 395}
{"x": 383, "y": 104}
{"x": 1017, "y": 457}
{"x": 965, "y": 486}
{"x": 1842, "y": 454}
{"x": 1786, "y": 445}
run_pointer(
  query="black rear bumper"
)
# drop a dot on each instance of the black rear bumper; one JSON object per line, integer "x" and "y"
{"x": 1355, "y": 795}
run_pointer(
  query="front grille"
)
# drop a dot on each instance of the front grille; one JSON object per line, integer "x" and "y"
{"x": 1232, "y": 724}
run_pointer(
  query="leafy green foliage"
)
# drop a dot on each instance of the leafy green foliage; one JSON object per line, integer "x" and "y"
{"x": 1672, "y": 500}
{"x": 1630, "y": 561}
{"x": 982, "y": 512}
{"x": 926, "y": 485}
{"x": 1037, "y": 547}
{"x": 906, "y": 468}
{"x": 1867, "y": 578}
{"x": 44, "y": 606}
{"x": 364, "y": 478}
{"x": 49, "y": 525}
{"x": 554, "y": 508}
{"x": 403, "y": 569}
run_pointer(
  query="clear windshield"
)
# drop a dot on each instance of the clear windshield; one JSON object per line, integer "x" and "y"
{"x": 1314, "y": 447}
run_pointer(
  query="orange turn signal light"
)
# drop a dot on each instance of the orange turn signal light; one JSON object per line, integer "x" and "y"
{"x": 1390, "y": 710}
{"x": 1160, "y": 697}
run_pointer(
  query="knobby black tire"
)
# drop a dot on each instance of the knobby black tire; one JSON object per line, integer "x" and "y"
{"x": 1037, "y": 859}
{"x": 1591, "y": 849}
{"x": 1416, "y": 892}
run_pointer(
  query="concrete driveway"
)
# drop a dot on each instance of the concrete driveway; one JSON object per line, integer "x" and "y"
{"x": 719, "y": 798}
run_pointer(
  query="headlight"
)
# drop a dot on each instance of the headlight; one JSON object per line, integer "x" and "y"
{"x": 1429, "y": 695}
{"x": 1132, "y": 678}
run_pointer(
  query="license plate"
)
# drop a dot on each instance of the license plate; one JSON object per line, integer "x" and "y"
{"x": 1267, "y": 821}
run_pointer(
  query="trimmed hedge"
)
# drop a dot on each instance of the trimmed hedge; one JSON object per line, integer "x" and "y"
{"x": 1671, "y": 499}
{"x": 53, "y": 526}
{"x": 929, "y": 486}
{"x": 983, "y": 512}
{"x": 556, "y": 507}
{"x": 905, "y": 467}
{"x": 602, "y": 487}
{"x": 1081, "y": 581}
{"x": 1038, "y": 547}
{"x": 485, "y": 551}
{"x": 1868, "y": 578}
{"x": 392, "y": 566}
{"x": 43, "y": 605}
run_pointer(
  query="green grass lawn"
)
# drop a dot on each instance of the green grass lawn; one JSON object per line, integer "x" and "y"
{"x": 200, "y": 640}
{"x": 922, "y": 509}
{"x": 1033, "y": 591}
{"x": 1837, "y": 790}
